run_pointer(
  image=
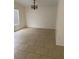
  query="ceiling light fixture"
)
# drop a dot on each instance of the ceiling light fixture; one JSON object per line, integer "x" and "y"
{"x": 34, "y": 6}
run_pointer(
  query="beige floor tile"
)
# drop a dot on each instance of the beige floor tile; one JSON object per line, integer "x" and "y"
{"x": 31, "y": 43}
{"x": 33, "y": 56}
{"x": 46, "y": 57}
{"x": 41, "y": 51}
{"x": 52, "y": 53}
{"x": 60, "y": 52}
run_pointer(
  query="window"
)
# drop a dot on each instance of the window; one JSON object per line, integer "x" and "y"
{"x": 16, "y": 17}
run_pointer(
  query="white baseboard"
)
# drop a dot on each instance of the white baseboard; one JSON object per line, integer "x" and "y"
{"x": 54, "y": 27}
{"x": 59, "y": 43}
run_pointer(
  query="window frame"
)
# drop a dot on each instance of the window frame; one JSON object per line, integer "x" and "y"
{"x": 17, "y": 10}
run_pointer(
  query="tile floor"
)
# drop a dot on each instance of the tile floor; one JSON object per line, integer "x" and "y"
{"x": 31, "y": 43}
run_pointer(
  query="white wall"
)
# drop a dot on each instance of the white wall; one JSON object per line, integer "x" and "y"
{"x": 60, "y": 24}
{"x": 22, "y": 16}
{"x": 43, "y": 17}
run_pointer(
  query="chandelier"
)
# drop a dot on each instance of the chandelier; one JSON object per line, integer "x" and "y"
{"x": 34, "y": 6}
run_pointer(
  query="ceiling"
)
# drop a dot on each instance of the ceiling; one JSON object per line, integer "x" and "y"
{"x": 39, "y": 2}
